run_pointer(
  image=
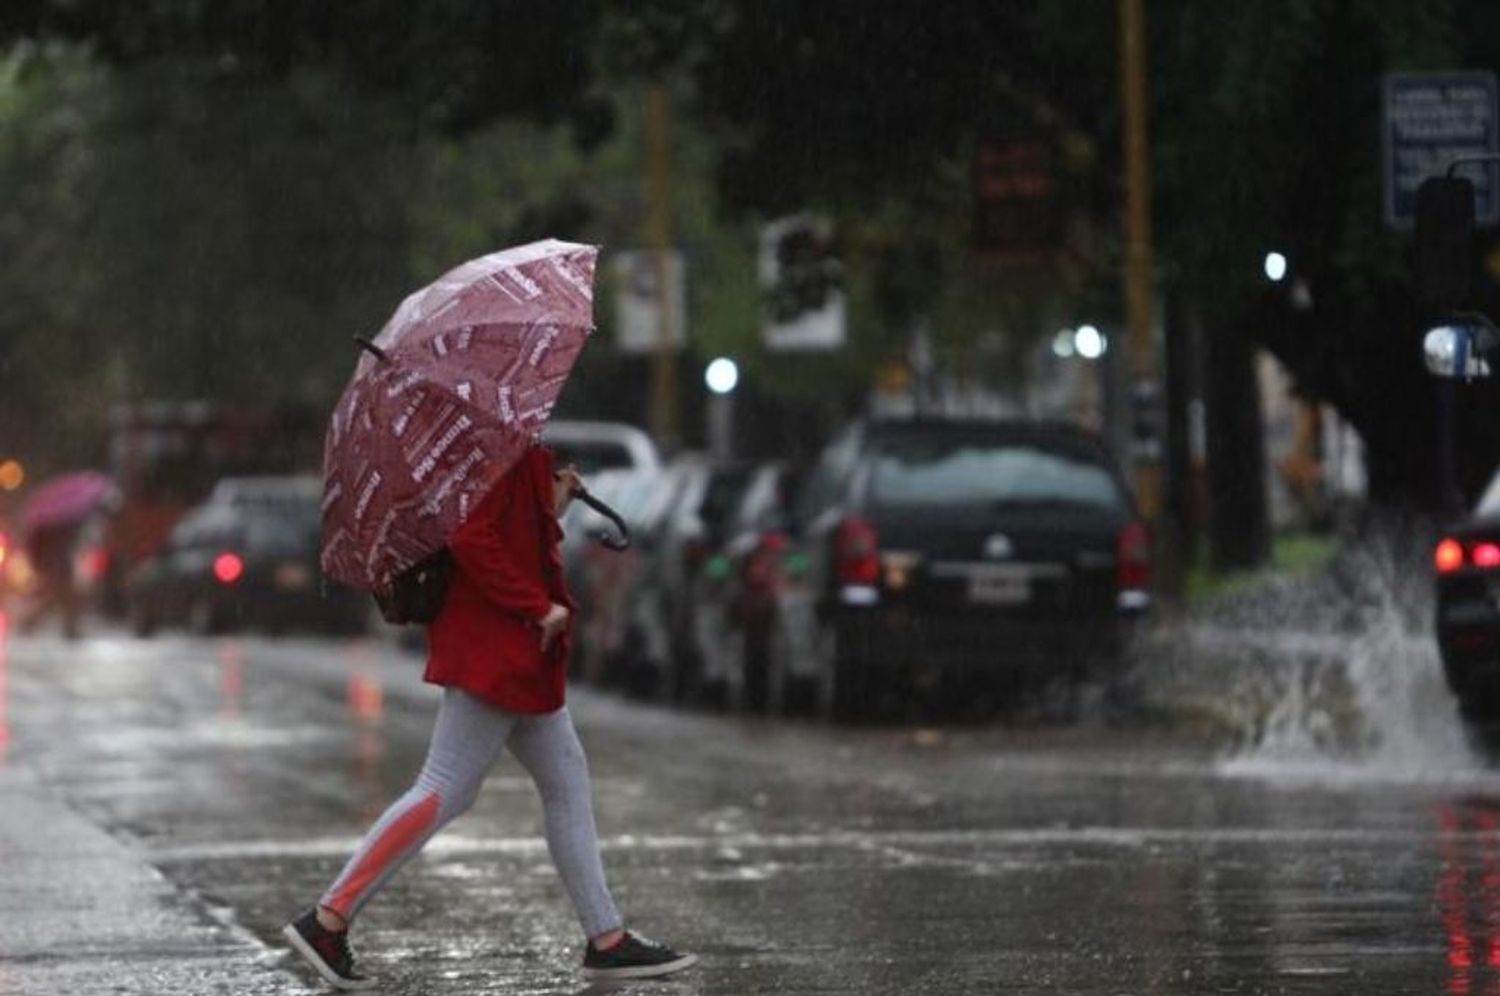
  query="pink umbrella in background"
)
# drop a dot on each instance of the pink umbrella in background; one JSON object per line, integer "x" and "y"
{"x": 65, "y": 500}
{"x": 445, "y": 400}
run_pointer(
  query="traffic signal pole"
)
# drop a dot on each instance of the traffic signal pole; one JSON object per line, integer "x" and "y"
{"x": 1138, "y": 256}
{"x": 659, "y": 198}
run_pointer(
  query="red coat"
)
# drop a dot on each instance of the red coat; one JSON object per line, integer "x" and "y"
{"x": 509, "y": 571}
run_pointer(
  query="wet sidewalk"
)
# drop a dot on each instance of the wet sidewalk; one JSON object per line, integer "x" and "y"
{"x": 82, "y": 913}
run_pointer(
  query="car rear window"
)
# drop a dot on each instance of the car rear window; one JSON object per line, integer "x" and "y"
{"x": 590, "y": 458}
{"x": 725, "y": 487}
{"x": 969, "y": 472}
{"x": 285, "y": 531}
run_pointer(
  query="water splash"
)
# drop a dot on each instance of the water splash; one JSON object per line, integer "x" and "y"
{"x": 1330, "y": 677}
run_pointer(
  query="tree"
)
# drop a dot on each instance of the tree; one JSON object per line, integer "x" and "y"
{"x": 452, "y": 64}
{"x": 1264, "y": 123}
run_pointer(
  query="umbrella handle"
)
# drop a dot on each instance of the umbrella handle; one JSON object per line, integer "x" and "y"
{"x": 621, "y": 542}
{"x": 371, "y": 348}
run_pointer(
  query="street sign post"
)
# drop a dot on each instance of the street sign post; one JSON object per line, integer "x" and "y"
{"x": 639, "y": 318}
{"x": 1431, "y": 119}
{"x": 802, "y": 286}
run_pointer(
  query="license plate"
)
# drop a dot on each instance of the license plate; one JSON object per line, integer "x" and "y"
{"x": 1009, "y": 587}
{"x": 293, "y": 577}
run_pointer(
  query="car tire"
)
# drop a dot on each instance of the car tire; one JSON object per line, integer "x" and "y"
{"x": 755, "y": 675}
{"x": 1478, "y": 709}
{"x": 1481, "y": 729}
{"x": 684, "y": 684}
{"x": 789, "y": 694}
{"x": 843, "y": 681}
{"x": 640, "y": 675}
{"x": 735, "y": 693}
{"x": 142, "y": 621}
{"x": 204, "y": 619}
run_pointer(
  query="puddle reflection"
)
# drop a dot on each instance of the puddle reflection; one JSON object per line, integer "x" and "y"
{"x": 4, "y": 668}
{"x": 366, "y": 699}
{"x": 231, "y": 678}
{"x": 1468, "y": 896}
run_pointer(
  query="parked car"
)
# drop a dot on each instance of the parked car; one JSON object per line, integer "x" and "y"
{"x": 691, "y": 536}
{"x": 993, "y": 557}
{"x": 618, "y": 635}
{"x": 738, "y": 592}
{"x": 1467, "y": 567}
{"x": 602, "y": 446}
{"x": 247, "y": 557}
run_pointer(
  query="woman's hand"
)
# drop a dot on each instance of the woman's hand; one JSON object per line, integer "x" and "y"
{"x": 553, "y": 624}
{"x": 564, "y": 483}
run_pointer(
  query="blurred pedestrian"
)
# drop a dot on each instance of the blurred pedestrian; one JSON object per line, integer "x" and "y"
{"x": 49, "y": 552}
{"x": 499, "y": 648}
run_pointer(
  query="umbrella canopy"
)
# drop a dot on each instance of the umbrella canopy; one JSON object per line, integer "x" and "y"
{"x": 445, "y": 400}
{"x": 65, "y": 500}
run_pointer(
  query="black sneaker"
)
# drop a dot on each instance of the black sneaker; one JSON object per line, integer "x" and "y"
{"x": 634, "y": 957}
{"x": 325, "y": 950}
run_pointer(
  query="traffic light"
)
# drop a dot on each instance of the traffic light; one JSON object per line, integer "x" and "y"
{"x": 806, "y": 270}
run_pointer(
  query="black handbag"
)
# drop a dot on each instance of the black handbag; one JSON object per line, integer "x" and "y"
{"x": 416, "y": 595}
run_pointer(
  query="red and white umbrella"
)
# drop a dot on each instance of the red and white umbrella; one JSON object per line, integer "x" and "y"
{"x": 445, "y": 400}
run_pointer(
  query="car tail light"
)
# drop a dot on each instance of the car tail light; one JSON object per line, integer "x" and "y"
{"x": 762, "y": 568}
{"x": 228, "y": 567}
{"x": 1486, "y": 555}
{"x": 775, "y": 542}
{"x": 1449, "y": 556}
{"x": 1133, "y": 559}
{"x": 857, "y": 552}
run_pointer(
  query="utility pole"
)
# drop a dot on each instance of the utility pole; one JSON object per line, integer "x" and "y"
{"x": 659, "y": 223}
{"x": 1138, "y": 262}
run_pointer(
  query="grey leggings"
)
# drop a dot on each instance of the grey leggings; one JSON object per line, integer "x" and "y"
{"x": 466, "y": 742}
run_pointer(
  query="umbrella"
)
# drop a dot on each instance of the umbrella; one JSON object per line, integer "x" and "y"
{"x": 65, "y": 500}
{"x": 445, "y": 400}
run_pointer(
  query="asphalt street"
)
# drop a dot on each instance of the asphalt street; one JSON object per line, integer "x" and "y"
{"x": 220, "y": 784}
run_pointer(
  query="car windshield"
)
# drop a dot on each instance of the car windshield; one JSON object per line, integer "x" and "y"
{"x": 282, "y": 530}
{"x": 592, "y": 457}
{"x": 1489, "y": 502}
{"x": 970, "y": 472}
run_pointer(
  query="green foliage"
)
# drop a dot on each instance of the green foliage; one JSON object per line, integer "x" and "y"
{"x": 208, "y": 198}
{"x": 177, "y": 234}
{"x": 449, "y": 64}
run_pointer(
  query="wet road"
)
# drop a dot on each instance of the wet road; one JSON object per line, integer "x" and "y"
{"x": 792, "y": 858}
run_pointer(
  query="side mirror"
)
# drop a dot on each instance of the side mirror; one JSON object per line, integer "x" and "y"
{"x": 1462, "y": 349}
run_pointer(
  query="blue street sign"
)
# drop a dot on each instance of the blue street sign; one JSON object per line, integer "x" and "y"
{"x": 1431, "y": 119}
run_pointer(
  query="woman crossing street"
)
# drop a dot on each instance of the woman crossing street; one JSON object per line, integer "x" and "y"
{"x": 499, "y": 649}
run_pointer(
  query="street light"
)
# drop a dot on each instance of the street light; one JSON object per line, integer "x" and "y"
{"x": 1090, "y": 342}
{"x": 1062, "y": 345}
{"x": 1275, "y": 267}
{"x": 721, "y": 376}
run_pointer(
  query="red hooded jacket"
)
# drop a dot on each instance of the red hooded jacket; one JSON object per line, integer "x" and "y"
{"x": 509, "y": 571}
